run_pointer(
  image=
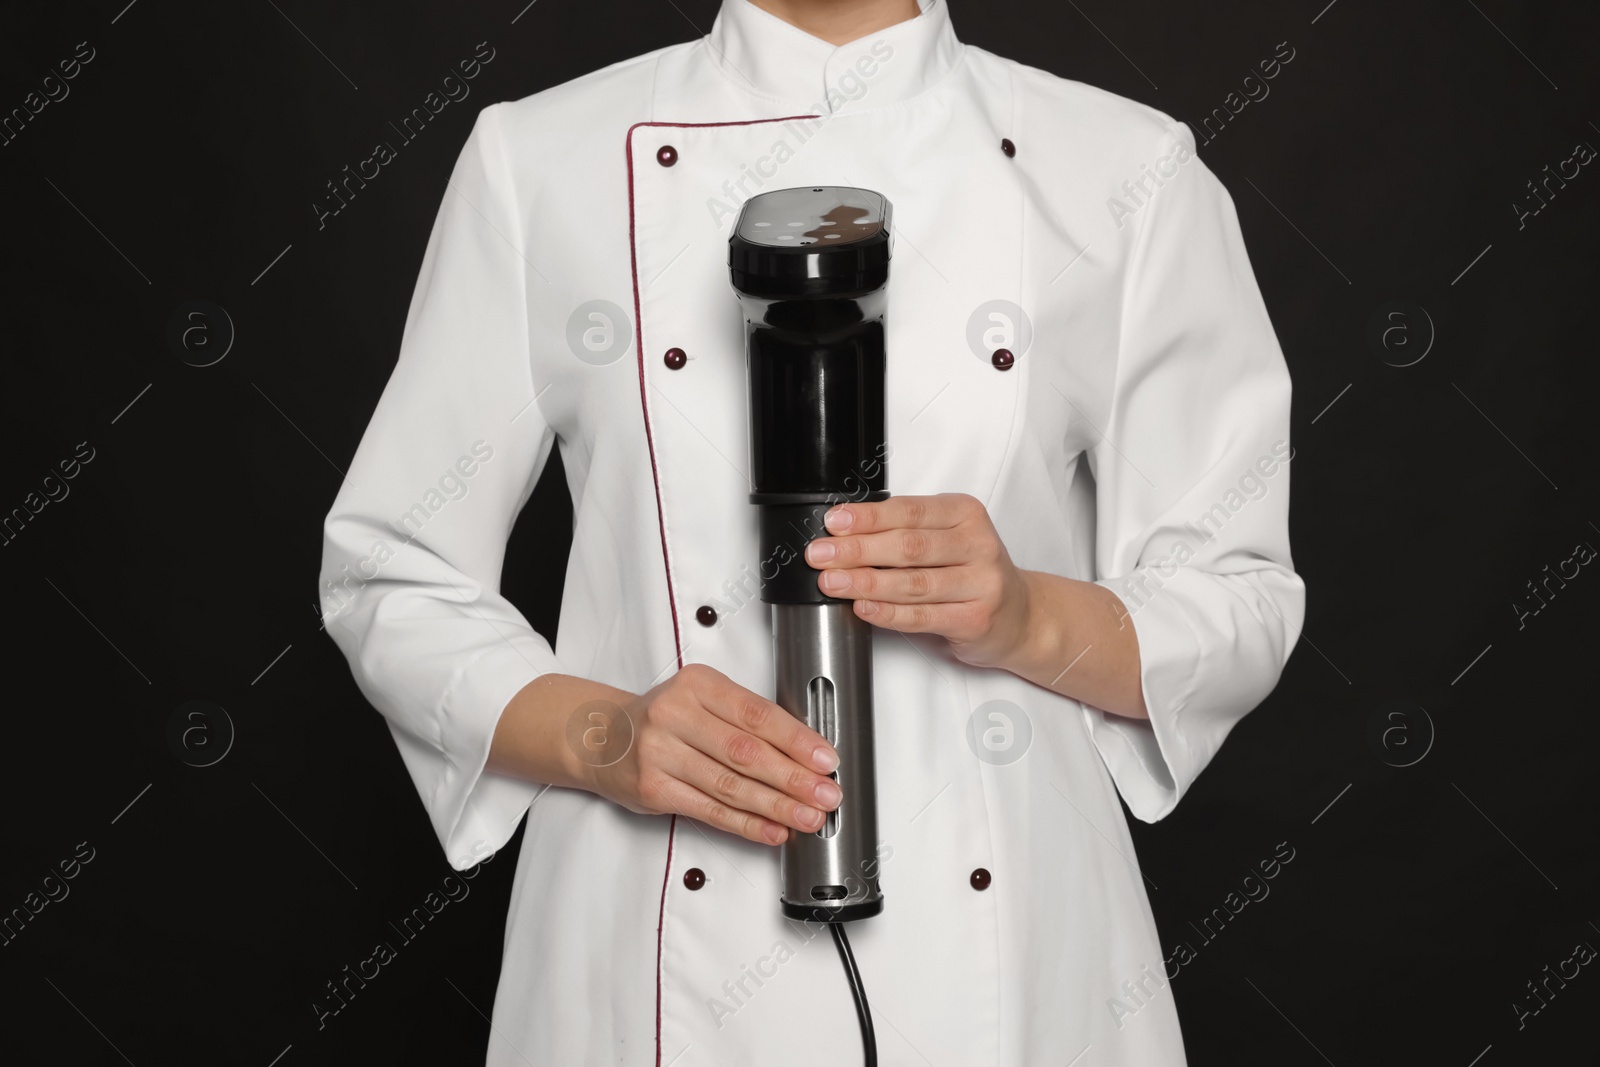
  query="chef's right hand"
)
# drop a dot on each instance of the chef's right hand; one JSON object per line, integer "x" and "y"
{"x": 706, "y": 747}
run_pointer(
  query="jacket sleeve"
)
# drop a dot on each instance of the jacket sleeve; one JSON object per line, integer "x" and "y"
{"x": 414, "y": 542}
{"x": 1192, "y": 487}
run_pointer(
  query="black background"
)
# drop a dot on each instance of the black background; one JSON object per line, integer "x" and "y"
{"x": 220, "y": 899}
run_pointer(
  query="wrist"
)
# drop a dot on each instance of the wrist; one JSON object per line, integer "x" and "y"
{"x": 596, "y": 731}
{"x": 569, "y": 766}
{"x": 1053, "y": 638}
{"x": 1044, "y": 641}
{"x": 546, "y": 735}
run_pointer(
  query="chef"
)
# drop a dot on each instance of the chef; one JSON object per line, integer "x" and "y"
{"x": 1080, "y": 585}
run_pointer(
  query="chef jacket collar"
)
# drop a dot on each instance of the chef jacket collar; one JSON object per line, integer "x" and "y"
{"x": 772, "y": 58}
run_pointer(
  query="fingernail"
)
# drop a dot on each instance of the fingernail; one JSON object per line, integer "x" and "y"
{"x": 809, "y": 817}
{"x": 824, "y": 759}
{"x": 777, "y": 834}
{"x": 838, "y": 519}
{"x": 828, "y": 794}
{"x": 833, "y": 581}
{"x": 866, "y": 607}
{"x": 820, "y": 551}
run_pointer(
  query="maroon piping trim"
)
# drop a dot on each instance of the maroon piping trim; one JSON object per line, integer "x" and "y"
{"x": 655, "y": 477}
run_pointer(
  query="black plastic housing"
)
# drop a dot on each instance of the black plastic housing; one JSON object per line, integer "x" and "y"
{"x": 810, "y": 266}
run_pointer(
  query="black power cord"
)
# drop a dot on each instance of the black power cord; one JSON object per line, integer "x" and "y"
{"x": 869, "y": 1040}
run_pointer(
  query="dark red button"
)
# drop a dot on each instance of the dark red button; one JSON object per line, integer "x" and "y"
{"x": 666, "y": 155}
{"x": 1007, "y": 147}
{"x": 694, "y": 878}
{"x": 706, "y": 615}
{"x": 675, "y": 359}
{"x": 980, "y": 879}
{"x": 1003, "y": 359}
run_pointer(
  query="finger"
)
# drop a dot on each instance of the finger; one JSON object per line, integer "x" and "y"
{"x": 909, "y": 618}
{"x": 898, "y": 512}
{"x": 738, "y": 706}
{"x": 729, "y": 787}
{"x": 903, "y": 585}
{"x": 909, "y": 547}
{"x": 742, "y": 753}
{"x": 673, "y": 794}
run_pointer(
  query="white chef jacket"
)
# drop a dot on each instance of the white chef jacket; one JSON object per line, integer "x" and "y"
{"x": 1139, "y": 439}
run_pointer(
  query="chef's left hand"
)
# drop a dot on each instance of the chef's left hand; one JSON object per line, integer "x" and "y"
{"x": 926, "y": 564}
